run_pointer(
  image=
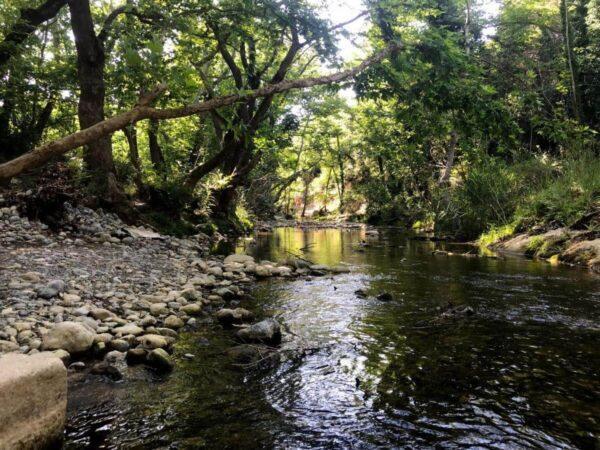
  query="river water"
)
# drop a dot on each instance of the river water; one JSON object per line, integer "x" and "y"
{"x": 523, "y": 371}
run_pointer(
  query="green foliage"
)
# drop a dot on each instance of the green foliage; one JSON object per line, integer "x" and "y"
{"x": 487, "y": 195}
{"x": 566, "y": 197}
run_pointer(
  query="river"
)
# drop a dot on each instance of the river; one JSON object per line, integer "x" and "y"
{"x": 523, "y": 371}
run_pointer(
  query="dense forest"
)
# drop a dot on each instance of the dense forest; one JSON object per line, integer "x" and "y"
{"x": 196, "y": 113}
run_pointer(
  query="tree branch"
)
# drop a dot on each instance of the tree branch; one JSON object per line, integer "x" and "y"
{"x": 42, "y": 154}
{"x": 28, "y": 22}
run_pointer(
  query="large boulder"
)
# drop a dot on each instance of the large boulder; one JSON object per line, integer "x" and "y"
{"x": 267, "y": 331}
{"x": 73, "y": 337}
{"x": 33, "y": 395}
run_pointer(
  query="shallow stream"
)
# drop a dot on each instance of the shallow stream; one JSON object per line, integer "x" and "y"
{"x": 522, "y": 372}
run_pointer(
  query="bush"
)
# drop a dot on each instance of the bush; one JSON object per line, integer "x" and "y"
{"x": 487, "y": 195}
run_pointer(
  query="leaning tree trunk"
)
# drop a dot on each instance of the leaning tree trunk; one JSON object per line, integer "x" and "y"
{"x": 98, "y": 155}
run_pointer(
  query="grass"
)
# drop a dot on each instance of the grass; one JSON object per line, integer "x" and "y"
{"x": 566, "y": 197}
{"x": 496, "y": 234}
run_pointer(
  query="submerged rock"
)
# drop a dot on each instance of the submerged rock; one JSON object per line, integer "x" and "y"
{"x": 385, "y": 297}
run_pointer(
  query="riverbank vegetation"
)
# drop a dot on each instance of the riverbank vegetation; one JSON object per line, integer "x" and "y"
{"x": 195, "y": 114}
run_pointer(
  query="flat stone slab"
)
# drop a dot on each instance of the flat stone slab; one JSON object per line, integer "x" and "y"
{"x": 33, "y": 395}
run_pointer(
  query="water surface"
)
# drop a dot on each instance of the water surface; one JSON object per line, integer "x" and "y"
{"x": 522, "y": 372}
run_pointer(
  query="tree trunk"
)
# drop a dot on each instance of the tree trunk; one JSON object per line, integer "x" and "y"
{"x": 98, "y": 155}
{"x": 156, "y": 155}
{"x": 130, "y": 132}
{"x": 450, "y": 155}
{"x": 340, "y": 159}
{"x": 305, "y": 197}
{"x": 571, "y": 63}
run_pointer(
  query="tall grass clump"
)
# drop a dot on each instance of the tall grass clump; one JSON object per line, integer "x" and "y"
{"x": 570, "y": 194}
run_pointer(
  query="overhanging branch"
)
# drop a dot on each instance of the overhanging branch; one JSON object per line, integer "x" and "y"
{"x": 40, "y": 155}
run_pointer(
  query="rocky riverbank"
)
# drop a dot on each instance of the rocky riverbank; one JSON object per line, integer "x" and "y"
{"x": 562, "y": 245}
{"x": 101, "y": 295}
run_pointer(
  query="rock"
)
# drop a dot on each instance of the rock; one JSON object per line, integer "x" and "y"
{"x": 63, "y": 355}
{"x": 160, "y": 359}
{"x": 103, "y": 337}
{"x": 360, "y": 293}
{"x": 148, "y": 321}
{"x": 8, "y": 347}
{"x": 47, "y": 292}
{"x": 385, "y": 297}
{"x": 130, "y": 328}
{"x": 152, "y": 341}
{"x": 108, "y": 370}
{"x": 340, "y": 269}
{"x": 77, "y": 366}
{"x": 191, "y": 295}
{"x": 33, "y": 395}
{"x": 174, "y": 322}
{"x": 282, "y": 271}
{"x": 73, "y": 337}
{"x": 267, "y": 331}
{"x": 247, "y": 355}
{"x": 193, "y": 309}
{"x": 157, "y": 309}
{"x": 225, "y": 293}
{"x": 70, "y": 299}
{"x": 216, "y": 271}
{"x": 230, "y": 316}
{"x": 136, "y": 356}
{"x": 101, "y": 314}
{"x": 167, "y": 332}
{"x": 263, "y": 271}
{"x": 120, "y": 345}
{"x": 239, "y": 258}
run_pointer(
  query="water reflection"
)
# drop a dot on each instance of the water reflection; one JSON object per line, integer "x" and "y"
{"x": 522, "y": 372}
